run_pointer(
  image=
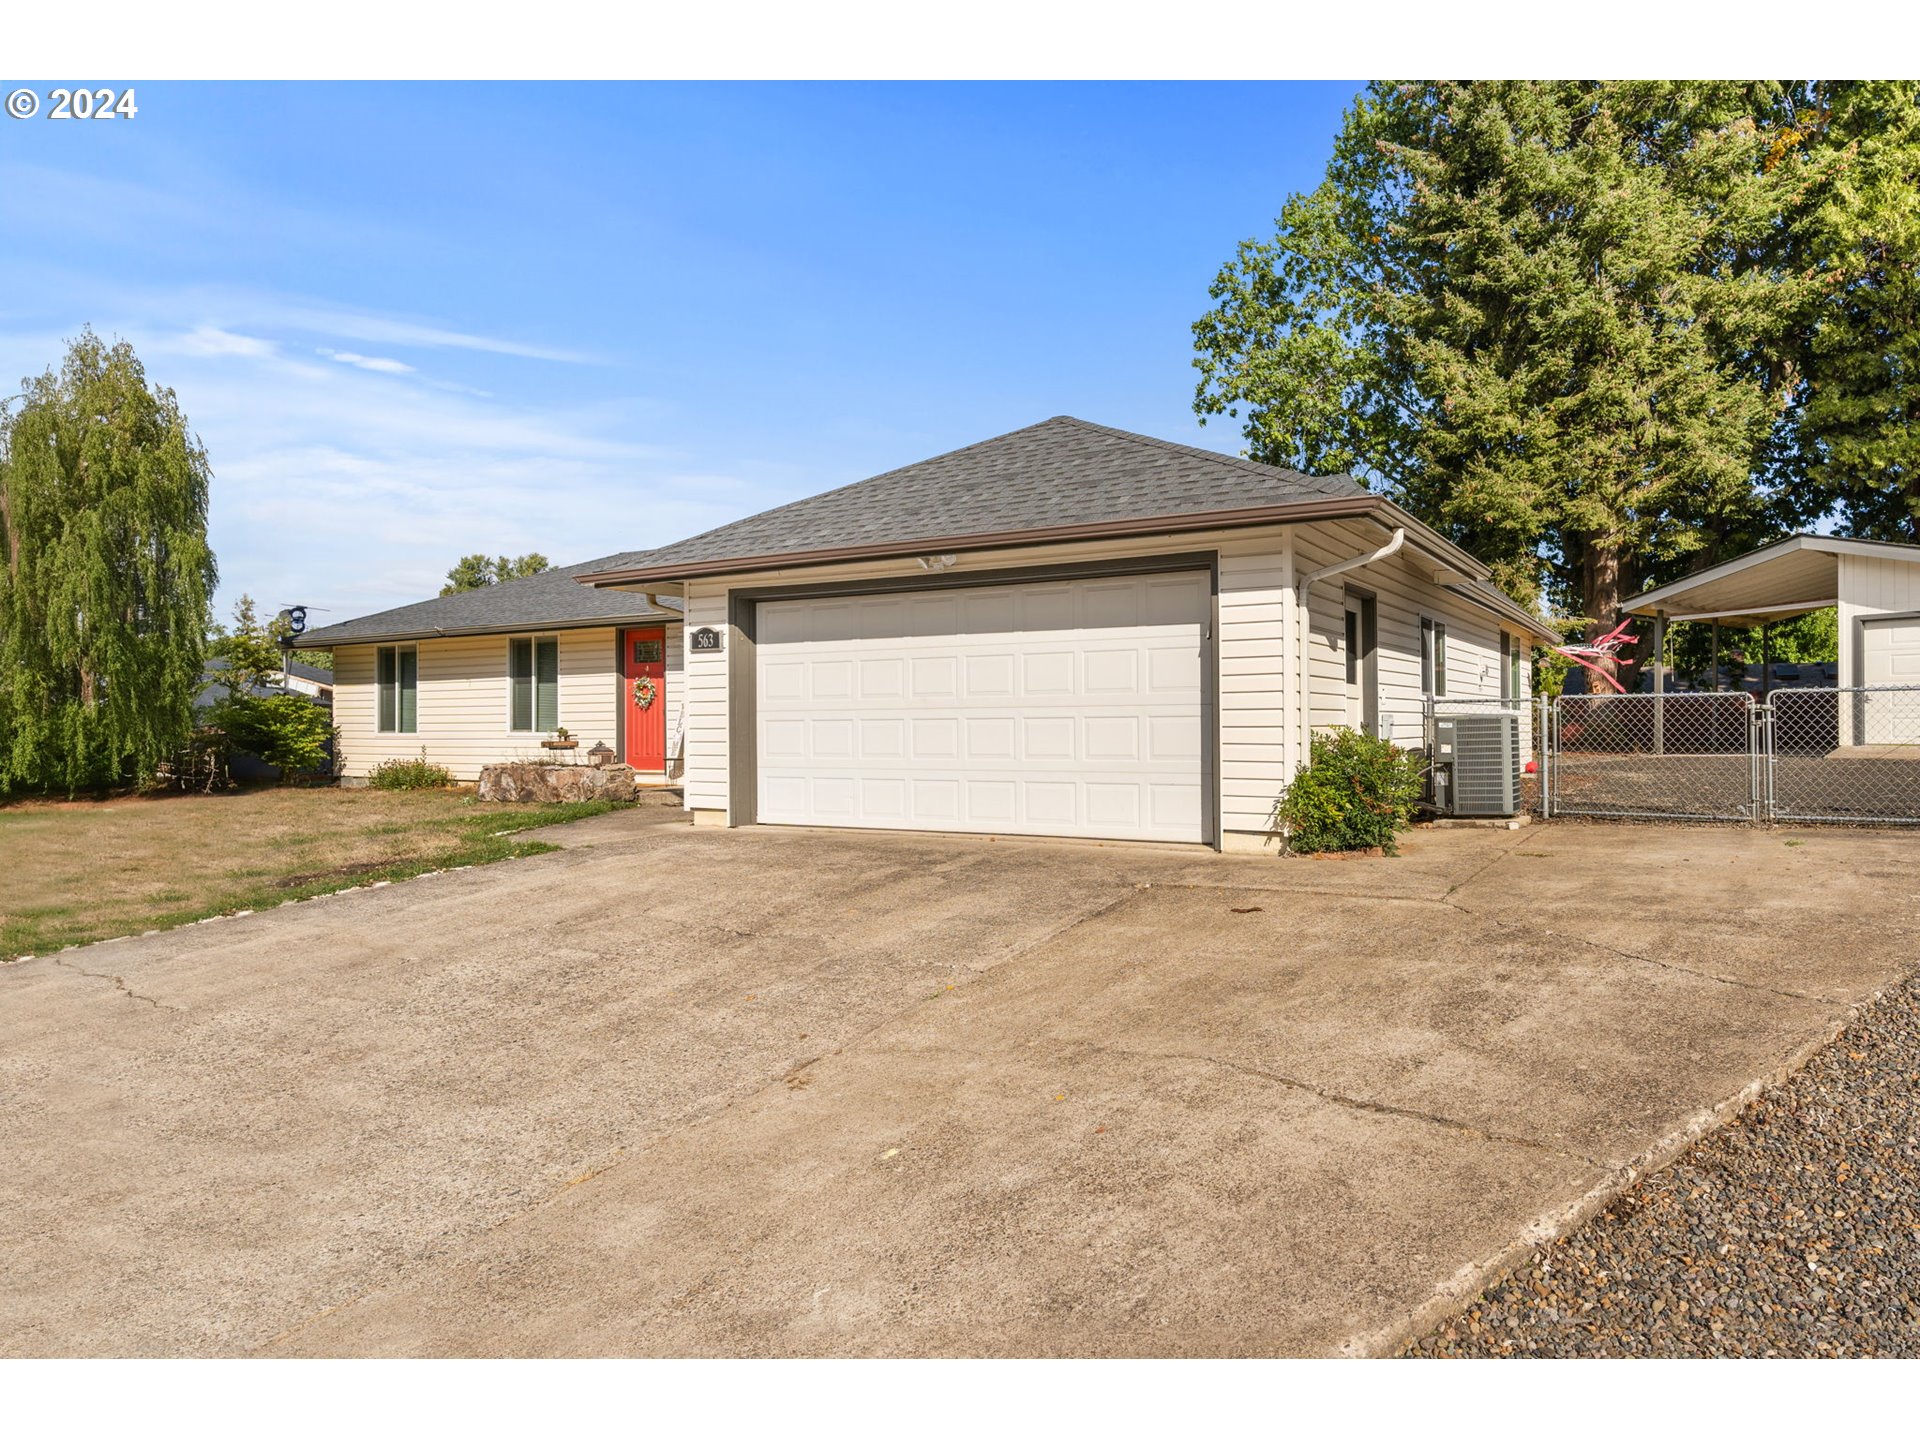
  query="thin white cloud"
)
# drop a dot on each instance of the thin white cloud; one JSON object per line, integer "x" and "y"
{"x": 347, "y": 324}
{"x": 379, "y": 364}
{"x": 211, "y": 340}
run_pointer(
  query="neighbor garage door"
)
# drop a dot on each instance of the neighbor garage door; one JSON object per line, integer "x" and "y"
{"x": 1054, "y": 708}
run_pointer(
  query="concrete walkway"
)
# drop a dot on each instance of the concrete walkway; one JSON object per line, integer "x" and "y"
{"x": 688, "y": 1092}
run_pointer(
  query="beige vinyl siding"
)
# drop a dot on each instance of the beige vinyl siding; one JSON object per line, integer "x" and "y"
{"x": 705, "y": 771}
{"x": 465, "y": 719}
{"x": 1403, "y": 596}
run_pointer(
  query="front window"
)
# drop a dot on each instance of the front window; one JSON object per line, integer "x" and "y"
{"x": 533, "y": 667}
{"x": 397, "y": 676}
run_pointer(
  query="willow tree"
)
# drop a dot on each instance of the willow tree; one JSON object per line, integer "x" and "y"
{"x": 1534, "y": 312}
{"x": 107, "y": 578}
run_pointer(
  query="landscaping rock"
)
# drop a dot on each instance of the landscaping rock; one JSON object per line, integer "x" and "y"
{"x": 529, "y": 782}
{"x": 1795, "y": 1231}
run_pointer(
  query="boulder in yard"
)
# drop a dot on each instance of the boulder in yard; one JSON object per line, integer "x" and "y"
{"x": 530, "y": 782}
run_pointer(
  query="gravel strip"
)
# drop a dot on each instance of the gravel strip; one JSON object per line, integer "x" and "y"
{"x": 1794, "y": 1231}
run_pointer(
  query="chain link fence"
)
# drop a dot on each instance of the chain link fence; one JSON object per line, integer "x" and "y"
{"x": 1655, "y": 757}
{"x": 1828, "y": 756}
{"x": 1847, "y": 757}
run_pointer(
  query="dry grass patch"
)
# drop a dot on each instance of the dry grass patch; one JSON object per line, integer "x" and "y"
{"x": 88, "y": 870}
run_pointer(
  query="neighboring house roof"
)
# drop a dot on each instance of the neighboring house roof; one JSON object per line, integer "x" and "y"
{"x": 1063, "y": 479}
{"x": 214, "y": 686}
{"x": 1789, "y": 577}
{"x": 318, "y": 674}
{"x": 551, "y": 600}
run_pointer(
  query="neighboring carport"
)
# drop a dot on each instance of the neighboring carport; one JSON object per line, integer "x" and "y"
{"x": 1845, "y": 752}
{"x": 1874, "y": 584}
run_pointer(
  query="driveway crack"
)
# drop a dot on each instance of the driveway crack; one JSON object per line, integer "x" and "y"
{"x": 1354, "y": 1102}
{"x": 118, "y": 983}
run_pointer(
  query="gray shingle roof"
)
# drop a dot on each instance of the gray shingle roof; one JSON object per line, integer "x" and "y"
{"x": 1060, "y": 473}
{"x": 552, "y": 599}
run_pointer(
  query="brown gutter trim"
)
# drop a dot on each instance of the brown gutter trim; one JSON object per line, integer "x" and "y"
{"x": 316, "y": 639}
{"x": 1337, "y": 508}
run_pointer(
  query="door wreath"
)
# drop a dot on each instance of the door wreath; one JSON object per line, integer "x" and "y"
{"x": 643, "y": 692}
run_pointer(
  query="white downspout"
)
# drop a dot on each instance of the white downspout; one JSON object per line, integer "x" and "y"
{"x": 1307, "y": 582}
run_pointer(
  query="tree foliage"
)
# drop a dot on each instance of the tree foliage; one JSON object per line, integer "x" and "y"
{"x": 1546, "y": 316}
{"x": 1858, "y": 432}
{"x": 251, "y": 649}
{"x": 476, "y": 572}
{"x": 105, "y": 573}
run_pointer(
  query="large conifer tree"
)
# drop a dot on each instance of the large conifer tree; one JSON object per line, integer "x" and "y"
{"x": 1535, "y": 312}
{"x": 106, "y": 577}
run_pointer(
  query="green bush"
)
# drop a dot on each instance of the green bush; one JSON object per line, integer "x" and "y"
{"x": 1356, "y": 793}
{"x": 288, "y": 731}
{"x": 421, "y": 774}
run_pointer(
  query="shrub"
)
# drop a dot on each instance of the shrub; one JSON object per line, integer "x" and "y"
{"x": 421, "y": 774}
{"x": 1356, "y": 793}
{"x": 287, "y": 731}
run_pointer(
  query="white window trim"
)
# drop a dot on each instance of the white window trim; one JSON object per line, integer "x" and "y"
{"x": 395, "y": 729}
{"x": 1433, "y": 657}
{"x": 558, "y": 718}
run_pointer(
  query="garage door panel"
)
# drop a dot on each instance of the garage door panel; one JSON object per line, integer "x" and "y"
{"x": 883, "y": 739}
{"x": 1068, "y": 708}
{"x": 883, "y": 679}
{"x": 1050, "y": 737}
{"x": 989, "y": 677}
{"x": 991, "y": 737}
{"x": 1110, "y": 672}
{"x": 1173, "y": 670}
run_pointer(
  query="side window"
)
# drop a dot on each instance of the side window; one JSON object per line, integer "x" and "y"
{"x": 1433, "y": 657}
{"x": 1353, "y": 648}
{"x": 397, "y": 682}
{"x": 533, "y": 669}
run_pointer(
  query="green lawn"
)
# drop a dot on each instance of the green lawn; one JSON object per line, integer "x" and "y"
{"x": 89, "y": 870}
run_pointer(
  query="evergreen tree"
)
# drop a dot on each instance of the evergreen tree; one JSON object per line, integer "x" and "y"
{"x": 1534, "y": 312}
{"x": 107, "y": 576}
{"x": 1858, "y": 435}
{"x": 251, "y": 649}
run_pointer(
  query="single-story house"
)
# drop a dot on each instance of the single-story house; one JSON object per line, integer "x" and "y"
{"x": 1067, "y": 630}
{"x": 487, "y": 675}
{"x": 1874, "y": 585}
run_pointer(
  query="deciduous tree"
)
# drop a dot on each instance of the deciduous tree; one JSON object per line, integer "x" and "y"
{"x": 105, "y": 573}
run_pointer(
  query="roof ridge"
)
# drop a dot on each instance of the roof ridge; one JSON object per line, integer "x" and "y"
{"x": 864, "y": 480}
{"x": 1198, "y": 452}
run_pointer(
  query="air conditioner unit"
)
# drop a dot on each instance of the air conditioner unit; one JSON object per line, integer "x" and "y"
{"x": 1476, "y": 764}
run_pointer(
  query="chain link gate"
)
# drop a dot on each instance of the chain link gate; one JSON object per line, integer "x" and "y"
{"x": 1848, "y": 757}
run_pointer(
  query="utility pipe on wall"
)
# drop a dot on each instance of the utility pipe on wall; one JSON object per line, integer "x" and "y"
{"x": 1305, "y": 591}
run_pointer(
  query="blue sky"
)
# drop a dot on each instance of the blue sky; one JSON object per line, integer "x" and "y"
{"x": 413, "y": 321}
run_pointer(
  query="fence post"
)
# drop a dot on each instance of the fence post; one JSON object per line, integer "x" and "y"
{"x": 1543, "y": 741}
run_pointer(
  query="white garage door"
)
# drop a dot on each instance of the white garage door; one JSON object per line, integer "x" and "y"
{"x": 1892, "y": 659}
{"x": 1058, "y": 708}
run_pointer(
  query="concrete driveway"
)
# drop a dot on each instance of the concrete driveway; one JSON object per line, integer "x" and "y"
{"x": 686, "y": 1092}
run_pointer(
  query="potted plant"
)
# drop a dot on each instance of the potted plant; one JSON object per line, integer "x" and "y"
{"x": 562, "y": 740}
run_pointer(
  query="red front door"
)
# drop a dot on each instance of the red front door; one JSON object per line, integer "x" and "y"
{"x": 644, "y": 670}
